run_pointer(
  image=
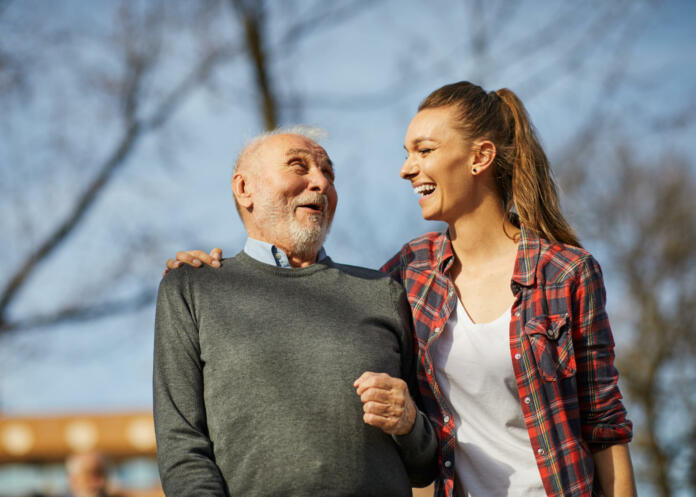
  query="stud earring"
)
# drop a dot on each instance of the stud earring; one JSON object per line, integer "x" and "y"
{"x": 474, "y": 170}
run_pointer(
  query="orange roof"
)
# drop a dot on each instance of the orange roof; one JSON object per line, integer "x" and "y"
{"x": 52, "y": 438}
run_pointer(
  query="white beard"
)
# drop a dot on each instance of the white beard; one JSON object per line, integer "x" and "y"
{"x": 280, "y": 223}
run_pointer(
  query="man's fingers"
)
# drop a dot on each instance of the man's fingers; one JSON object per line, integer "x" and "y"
{"x": 382, "y": 396}
{"x": 382, "y": 409}
{"x": 387, "y": 404}
{"x": 386, "y": 424}
{"x": 382, "y": 422}
{"x": 362, "y": 378}
{"x": 375, "y": 380}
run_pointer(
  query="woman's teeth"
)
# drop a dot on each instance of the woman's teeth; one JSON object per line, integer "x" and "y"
{"x": 424, "y": 189}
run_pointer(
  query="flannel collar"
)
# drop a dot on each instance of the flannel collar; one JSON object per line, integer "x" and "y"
{"x": 528, "y": 250}
{"x": 444, "y": 255}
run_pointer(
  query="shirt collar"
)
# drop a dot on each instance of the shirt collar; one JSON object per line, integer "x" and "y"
{"x": 525, "y": 261}
{"x": 527, "y": 257}
{"x": 444, "y": 252}
{"x": 270, "y": 254}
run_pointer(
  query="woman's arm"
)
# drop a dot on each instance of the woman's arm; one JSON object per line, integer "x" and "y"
{"x": 605, "y": 426}
{"x": 615, "y": 471}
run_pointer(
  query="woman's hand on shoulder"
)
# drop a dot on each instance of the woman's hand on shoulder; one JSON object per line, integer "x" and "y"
{"x": 195, "y": 258}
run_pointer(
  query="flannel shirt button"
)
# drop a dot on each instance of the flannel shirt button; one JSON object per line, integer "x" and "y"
{"x": 518, "y": 356}
{"x": 527, "y": 400}
{"x": 540, "y": 451}
{"x": 446, "y": 419}
{"x": 448, "y": 464}
{"x": 517, "y": 313}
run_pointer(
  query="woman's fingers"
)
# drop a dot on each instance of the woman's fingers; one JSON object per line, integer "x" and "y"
{"x": 195, "y": 258}
{"x": 216, "y": 253}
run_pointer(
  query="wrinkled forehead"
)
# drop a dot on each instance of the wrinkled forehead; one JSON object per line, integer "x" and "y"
{"x": 289, "y": 145}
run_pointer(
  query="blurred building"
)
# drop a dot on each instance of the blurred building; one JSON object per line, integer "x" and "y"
{"x": 33, "y": 451}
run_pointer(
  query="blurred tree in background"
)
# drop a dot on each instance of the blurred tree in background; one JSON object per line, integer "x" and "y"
{"x": 643, "y": 216}
{"x": 126, "y": 79}
{"x": 98, "y": 105}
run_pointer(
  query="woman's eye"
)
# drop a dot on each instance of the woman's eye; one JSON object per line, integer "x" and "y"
{"x": 425, "y": 151}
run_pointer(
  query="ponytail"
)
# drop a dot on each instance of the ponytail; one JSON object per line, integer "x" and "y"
{"x": 521, "y": 168}
{"x": 533, "y": 190}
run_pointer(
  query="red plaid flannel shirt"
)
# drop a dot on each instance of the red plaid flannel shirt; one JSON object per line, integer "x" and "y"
{"x": 561, "y": 347}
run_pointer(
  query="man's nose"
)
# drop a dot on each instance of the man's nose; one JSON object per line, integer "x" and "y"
{"x": 318, "y": 181}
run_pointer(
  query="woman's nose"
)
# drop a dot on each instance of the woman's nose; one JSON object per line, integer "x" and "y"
{"x": 408, "y": 170}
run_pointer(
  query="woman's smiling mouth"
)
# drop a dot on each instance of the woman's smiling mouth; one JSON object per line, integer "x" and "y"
{"x": 424, "y": 190}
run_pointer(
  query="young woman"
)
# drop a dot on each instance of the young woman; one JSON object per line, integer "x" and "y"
{"x": 516, "y": 359}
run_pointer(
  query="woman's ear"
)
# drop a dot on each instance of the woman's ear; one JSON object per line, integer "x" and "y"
{"x": 483, "y": 155}
{"x": 241, "y": 191}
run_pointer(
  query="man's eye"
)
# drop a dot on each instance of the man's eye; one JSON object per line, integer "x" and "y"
{"x": 425, "y": 151}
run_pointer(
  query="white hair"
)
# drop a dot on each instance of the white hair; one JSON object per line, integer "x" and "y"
{"x": 311, "y": 132}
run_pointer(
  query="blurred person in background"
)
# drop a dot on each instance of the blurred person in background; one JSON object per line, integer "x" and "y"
{"x": 87, "y": 475}
{"x": 516, "y": 354}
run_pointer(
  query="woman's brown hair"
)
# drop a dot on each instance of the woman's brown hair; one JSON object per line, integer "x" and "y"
{"x": 521, "y": 169}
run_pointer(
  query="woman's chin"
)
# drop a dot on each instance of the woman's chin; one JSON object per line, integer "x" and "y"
{"x": 429, "y": 215}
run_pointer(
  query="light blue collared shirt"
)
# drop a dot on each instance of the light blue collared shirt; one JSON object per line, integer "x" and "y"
{"x": 270, "y": 254}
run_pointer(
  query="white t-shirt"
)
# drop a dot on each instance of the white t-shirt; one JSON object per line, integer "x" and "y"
{"x": 493, "y": 456}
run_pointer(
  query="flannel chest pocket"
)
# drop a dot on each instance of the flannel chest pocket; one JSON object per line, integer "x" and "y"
{"x": 552, "y": 344}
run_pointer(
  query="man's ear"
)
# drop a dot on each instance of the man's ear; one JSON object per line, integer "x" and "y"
{"x": 483, "y": 155}
{"x": 241, "y": 190}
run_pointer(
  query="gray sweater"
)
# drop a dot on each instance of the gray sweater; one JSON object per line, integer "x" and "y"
{"x": 253, "y": 382}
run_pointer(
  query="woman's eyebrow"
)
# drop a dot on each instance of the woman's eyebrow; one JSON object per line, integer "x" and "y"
{"x": 416, "y": 141}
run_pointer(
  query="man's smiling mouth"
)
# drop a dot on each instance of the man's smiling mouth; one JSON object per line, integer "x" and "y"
{"x": 314, "y": 203}
{"x": 313, "y": 207}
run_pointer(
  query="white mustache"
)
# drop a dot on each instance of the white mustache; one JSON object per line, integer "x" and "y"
{"x": 312, "y": 198}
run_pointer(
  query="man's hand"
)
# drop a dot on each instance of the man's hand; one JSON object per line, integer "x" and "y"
{"x": 194, "y": 258}
{"x": 387, "y": 404}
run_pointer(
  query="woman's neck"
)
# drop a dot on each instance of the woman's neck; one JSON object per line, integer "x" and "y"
{"x": 483, "y": 236}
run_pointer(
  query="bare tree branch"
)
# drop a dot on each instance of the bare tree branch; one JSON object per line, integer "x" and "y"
{"x": 79, "y": 313}
{"x": 648, "y": 231}
{"x": 573, "y": 59}
{"x": 3, "y": 5}
{"x": 135, "y": 128}
{"x": 327, "y": 15}
{"x": 253, "y": 16}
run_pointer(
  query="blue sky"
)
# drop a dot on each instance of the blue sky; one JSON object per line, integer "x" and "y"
{"x": 173, "y": 192}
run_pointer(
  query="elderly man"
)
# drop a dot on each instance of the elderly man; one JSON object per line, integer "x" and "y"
{"x": 282, "y": 372}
